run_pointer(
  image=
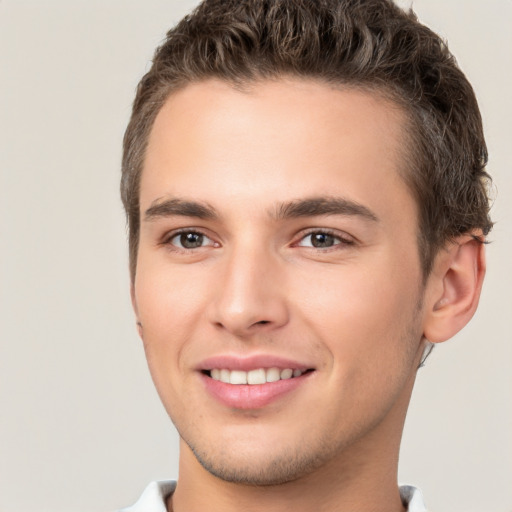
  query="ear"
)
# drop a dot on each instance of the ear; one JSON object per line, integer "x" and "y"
{"x": 453, "y": 288}
{"x": 135, "y": 309}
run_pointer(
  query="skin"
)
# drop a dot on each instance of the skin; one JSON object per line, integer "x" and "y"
{"x": 355, "y": 310}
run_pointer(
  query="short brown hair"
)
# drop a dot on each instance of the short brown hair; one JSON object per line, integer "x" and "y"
{"x": 369, "y": 44}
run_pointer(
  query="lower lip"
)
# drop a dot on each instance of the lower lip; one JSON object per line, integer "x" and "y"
{"x": 254, "y": 396}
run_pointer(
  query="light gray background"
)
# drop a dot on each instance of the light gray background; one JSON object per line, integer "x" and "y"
{"x": 81, "y": 426}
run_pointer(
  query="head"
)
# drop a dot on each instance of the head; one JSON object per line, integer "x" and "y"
{"x": 320, "y": 160}
{"x": 371, "y": 45}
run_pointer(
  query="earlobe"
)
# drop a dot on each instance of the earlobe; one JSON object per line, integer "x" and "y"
{"x": 453, "y": 288}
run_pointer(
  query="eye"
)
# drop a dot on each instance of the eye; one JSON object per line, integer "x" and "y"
{"x": 323, "y": 240}
{"x": 190, "y": 240}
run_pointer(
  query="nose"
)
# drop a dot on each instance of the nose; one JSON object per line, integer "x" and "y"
{"x": 251, "y": 296}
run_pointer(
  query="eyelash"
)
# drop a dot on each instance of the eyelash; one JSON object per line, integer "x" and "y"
{"x": 338, "y": 238}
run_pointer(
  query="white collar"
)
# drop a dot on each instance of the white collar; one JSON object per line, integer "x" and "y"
{"x": 154, "y": 496}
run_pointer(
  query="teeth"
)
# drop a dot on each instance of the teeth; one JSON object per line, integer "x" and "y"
{"x": 258, "y": 376}
{"x": 286, "y": 374}
{"x": 238, "y": 377}
{"x": 273, "y": 375}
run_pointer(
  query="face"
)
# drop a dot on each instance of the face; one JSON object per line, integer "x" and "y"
{"x": 278, "y": 279}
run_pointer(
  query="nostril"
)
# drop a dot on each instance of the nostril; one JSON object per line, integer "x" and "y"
{"x": 263, "y": 322}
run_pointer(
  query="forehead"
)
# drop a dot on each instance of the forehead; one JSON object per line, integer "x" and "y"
{"x": 275, "y": 141}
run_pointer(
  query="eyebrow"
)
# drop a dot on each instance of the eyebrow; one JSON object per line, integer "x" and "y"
{"x": 308, "y": 207}
{"x": 317, "y": 206}
{"x": 182, "y": 207}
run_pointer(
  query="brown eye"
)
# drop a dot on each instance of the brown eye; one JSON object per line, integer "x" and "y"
{"x": 325, "y": 240}
{"x": 190, "y": 240}
{"x": 322, "y": 240}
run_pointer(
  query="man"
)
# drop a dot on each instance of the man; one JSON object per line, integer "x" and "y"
{"x": 305, "y": 188}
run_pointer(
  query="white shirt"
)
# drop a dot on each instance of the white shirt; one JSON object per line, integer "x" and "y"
{"x": 154, "y": 496}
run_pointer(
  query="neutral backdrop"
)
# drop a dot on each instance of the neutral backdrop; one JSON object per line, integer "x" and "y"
{"x": 81, "y": 426}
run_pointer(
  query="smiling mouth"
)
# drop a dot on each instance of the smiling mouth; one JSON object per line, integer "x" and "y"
{"x": 254, "y": 377}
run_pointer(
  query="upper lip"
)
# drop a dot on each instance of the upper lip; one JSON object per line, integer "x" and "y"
{"x": 253, "y": 362}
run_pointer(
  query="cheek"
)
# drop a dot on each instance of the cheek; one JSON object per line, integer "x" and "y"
{"x": 168, "y": 308}
{"x": 167, "y": 296}
{"x": 361, "y": 315}
{"x": 369, "y": 326}
{"x": 170, "y": 304}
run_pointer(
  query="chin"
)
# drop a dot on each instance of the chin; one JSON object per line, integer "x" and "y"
{"x": 261, "y": 469}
